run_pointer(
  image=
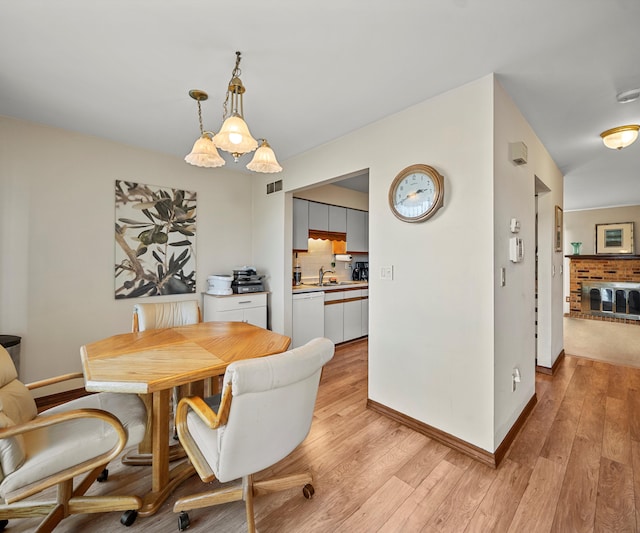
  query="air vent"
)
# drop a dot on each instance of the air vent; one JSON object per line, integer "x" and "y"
{"x": 274, "y": 186}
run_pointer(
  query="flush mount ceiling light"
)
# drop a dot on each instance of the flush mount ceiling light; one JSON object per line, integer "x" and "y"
{"x": 620, "y": 137}
{"x": 234, "y": 135}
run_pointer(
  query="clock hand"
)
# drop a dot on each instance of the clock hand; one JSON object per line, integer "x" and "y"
{"x": 412, "y": 195}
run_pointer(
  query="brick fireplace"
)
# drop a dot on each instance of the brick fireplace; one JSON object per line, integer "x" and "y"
{"x": 612, "y": 279}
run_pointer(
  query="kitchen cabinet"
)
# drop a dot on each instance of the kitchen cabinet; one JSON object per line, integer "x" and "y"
{"x": 343, "y": 315}
{"x": 300, "y": 224}
{"x": 337, "y": 219}
{"x": 357, "y": 231}
{"x": 250, "y": 308}
{"x": 318, "y": 216}
{"x": 352, "y": 318}
{"x": 334, "y": 316}
{"x": 364, "y": 325}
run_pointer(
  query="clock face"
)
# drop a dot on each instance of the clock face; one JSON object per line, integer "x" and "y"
{"x": 416, "y": 193}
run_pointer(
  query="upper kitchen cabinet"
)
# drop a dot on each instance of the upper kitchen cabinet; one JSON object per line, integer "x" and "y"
{"x": 337, "y": 219}
{"x": 357, "y": 231}
{"x": 300, "y": 224}
{"x": 318, "y": 216}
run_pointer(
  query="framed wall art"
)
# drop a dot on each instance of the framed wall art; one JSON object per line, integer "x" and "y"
{"x": 558, "y": 230}
{"x": 614, "y": 238}
{"x": 155, "y": 240}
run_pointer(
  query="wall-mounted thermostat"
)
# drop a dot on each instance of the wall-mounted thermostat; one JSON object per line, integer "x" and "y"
{"x": 516, "y": 249}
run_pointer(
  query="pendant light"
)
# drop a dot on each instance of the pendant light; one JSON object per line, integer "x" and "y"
{"x": 203, "y": 153}
{"x": 234, "y": 135}
{"x": 264, "y": 160}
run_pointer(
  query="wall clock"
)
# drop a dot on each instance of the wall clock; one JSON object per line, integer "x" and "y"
{"x": 416, "y": 193}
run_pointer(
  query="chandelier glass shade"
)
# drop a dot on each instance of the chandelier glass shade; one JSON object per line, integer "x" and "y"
{"x": 620, "y": 137}
{"x": 264, "y": 160}
{"x": 234, "y": 136}
{"x": 204, "y": 154}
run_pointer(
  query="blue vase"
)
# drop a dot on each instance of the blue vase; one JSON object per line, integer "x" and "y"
{"x": 576, "y": 247}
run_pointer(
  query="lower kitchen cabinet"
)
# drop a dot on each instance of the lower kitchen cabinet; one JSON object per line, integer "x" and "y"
{"x": 352, "y": 319}
{"x": 365, "y": 312}
{"x": 343, "y": 315}
{"x": 250, "y": 308}
{"x": 334, "y": 316}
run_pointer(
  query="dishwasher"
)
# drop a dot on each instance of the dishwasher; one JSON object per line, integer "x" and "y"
{"x": 308, "y": 317}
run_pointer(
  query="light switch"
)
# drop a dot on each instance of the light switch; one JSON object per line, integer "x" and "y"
{"x": 386, "y": 273}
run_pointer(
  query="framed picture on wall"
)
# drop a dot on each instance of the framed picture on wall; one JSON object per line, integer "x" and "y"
{"x": 614, "y": 238}
{"x": 558, "y": 229}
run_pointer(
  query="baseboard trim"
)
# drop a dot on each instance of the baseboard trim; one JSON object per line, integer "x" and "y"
{"x": 483, "y": 456}
{"x": 551, "y": 371}
{"x": 501, "y": 451}
{"x": 47, "y": 402}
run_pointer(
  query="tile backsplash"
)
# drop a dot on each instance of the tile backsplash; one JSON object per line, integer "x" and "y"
{"x": 320, "y": 255}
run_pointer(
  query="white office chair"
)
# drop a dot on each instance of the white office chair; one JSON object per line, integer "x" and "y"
{"x": 264, "y": 413}
{"x": 80, "y": 437}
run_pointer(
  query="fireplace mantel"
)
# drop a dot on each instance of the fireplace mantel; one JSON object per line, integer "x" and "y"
{"x": 605, "y": 257}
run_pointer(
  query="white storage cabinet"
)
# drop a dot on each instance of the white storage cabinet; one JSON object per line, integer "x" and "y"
{"x": 250, "y": 308}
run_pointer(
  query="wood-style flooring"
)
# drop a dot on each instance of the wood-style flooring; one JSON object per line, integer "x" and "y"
{"x": 574, "y": 467}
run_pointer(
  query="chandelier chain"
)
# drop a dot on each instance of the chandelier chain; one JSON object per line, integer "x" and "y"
{"x": 200, "y": 119}
{"x": 235, "y": 73}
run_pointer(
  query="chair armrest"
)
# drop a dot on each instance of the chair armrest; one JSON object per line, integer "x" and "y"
{"x": 53, "y": 380}
{"x": 42, "y": 421}
{"x": 212, "y": 419}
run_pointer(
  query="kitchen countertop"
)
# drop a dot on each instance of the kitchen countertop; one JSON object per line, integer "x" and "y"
{"x": 340, "y": 286}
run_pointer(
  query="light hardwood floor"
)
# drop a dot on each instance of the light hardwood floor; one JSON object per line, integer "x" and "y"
{"x": 574, "y": 467}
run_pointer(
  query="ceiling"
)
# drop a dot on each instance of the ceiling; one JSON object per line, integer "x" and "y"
{"x": 121, "y": 69}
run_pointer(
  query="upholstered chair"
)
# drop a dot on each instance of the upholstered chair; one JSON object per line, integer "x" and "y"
{"x": 155, "y": 316}
{"x": 70, "y": 441}
{"x": 264, "y": 412}
{"x": 165, "y": 315}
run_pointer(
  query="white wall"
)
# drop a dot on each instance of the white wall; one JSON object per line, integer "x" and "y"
{"x": 514, "y": 197}
{"x": 429, "y": 356}
{"x": 57, "y": 236}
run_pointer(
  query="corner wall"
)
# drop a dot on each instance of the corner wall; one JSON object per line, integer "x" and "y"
{"x": 515, "y": 302}
{"x": 431, "y": 328}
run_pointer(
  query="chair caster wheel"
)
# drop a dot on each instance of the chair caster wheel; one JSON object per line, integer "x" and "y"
{"x": 183, "y": 521}
{"x": 308, "y": 491}
{"x": 104, "y": 475}
{"x": 3, "y": 524}
{"x": 128, "y": 518}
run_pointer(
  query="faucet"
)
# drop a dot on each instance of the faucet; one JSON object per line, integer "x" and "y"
{"x": 321, "y": 274}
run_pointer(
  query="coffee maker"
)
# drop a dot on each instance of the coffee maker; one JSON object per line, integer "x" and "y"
{"x": 360, "y": 271}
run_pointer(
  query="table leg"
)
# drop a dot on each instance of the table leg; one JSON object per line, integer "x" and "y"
{"x": 163, "y": 479}
{"x": 144, "y": 455}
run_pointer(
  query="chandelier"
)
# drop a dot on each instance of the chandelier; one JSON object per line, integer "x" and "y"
{"x": 234, "y": 136}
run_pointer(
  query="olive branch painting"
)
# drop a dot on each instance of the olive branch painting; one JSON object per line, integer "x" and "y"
{"x": 154, "y": 240}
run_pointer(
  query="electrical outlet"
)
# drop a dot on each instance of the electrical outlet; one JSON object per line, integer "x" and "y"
{"x": 566, "y": 299}
{"x": 515, "y": 379}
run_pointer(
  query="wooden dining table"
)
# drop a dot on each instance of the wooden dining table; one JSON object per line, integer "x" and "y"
{"x": 153, "y": 362}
